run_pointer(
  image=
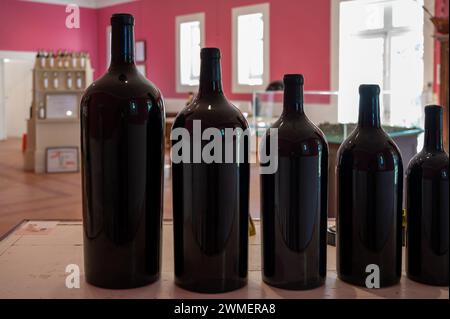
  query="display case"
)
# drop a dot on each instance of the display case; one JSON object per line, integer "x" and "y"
{"x": 322, "y": 108}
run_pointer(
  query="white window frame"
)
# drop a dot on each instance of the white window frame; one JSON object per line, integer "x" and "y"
{"x": 428, "y": 55}
{"x": 200, "y": 17}
{"x": 263, "y": 8}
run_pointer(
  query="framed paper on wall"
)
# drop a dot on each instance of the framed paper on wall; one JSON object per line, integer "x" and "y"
{"x": 140, "y": 51}
{"x": 61, "y": 159}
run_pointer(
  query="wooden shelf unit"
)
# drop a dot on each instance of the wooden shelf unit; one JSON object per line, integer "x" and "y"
{"x": 43, "y": 132}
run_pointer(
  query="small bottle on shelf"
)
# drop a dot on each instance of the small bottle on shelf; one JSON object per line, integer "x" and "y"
{"x": 79, "y": 81}
{"x": 45, "y": 80}
{"x": 82, "y": 60}
{"x": 41, "y": 111}
{"x": 73, "y": 60}
{"x": 66, "y": 59}
{"x": 59, "y": 59}
{"x": 55, "y": 80}
{"x": 69, "y": 81}
{"x": 51, "y": 59}
{"x": 42, "y": 58}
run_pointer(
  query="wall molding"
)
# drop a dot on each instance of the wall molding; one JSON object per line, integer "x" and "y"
{"x": 93, "y": 4}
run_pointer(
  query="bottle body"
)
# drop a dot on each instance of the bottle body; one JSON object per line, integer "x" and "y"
{"x": 210, "y": 199}
{"x": 294, "y": 204}
{"x": 122, "y": 142}
{"x": 427, "y": 254}
{"x": 369, "y": 200}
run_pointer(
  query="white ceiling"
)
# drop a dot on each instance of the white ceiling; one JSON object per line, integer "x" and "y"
{"x": 84, "y": 3}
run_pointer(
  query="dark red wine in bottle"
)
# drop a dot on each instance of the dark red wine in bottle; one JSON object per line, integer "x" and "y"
{"x": 294, "y": 198}
{"x": 369, "y": 199}
{"x": 427, "y": 207}
{"x": 122, "y": 144}
{"x": 210, "y": 198}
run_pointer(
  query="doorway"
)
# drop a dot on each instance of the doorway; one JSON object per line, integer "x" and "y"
{"x": 16, "y": 82}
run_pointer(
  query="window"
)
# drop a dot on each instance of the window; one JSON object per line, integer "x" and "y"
{"x": 250, "y": 29}
{"x": 190, "y": 37}
{"x": 382, "y": 42}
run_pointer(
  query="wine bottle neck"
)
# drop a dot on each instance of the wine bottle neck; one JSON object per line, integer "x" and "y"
{"x": 210, "y": 76}
{"x": 433, "y": 128}
{"x": 369, "y": 106}
{"x": 122, "y": 44}
{"x": 293, "y": 97}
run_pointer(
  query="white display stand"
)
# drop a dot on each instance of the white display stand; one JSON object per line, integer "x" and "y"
{"x": 58, "y": 85}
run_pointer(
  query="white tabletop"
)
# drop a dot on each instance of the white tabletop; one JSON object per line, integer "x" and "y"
{"x": 33, "y": 260}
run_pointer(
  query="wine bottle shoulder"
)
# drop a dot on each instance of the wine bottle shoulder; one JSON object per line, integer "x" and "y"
{"x": 429, "y": 164}
{"x": 124, "y": 84}
{"x": 369, "y": 148}
{"x": 218, "y": 112}
{"x": 296, "y": 132}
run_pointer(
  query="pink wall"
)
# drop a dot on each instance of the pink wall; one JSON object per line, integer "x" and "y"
{"x": 441, "y": 10}
{"x": 294, "y": 48}
{"x": 299, "y": 40}
{"x": 29, "y": 26}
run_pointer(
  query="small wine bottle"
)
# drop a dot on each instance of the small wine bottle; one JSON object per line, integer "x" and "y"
{"x": 41, "y": 111}
{"x": 79, "y": 81}
{"x": 45, "y": 80}
{"x": 294, "y": 198}
{"x": 69, "y": 81}
{"x": 55, "y": 80}
{"x": 82, "y": 60}
{"x": 51, "y": 60}
{"x": 59, "y": 59}
{"x": 427, "y": 254}
{"x": 369, "y": 199}
{"x": 210, "y": 199}
{"x": 42, "y": 59}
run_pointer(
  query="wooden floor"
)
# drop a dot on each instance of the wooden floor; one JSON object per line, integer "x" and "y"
{"x": 25, "y": 195}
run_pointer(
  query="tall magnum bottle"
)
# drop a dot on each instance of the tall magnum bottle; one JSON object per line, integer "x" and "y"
{"x": 427, "y": 255}
{"x": 369, "y": 197}
{"x": 122, "y": 143}
{"x": 294, "y": 198}
{"x": 210, "y": 187}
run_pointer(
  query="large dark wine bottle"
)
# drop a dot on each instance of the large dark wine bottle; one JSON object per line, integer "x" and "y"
{"x": 427, "y": 206}
{"x": 122, "y": 144}
{"x": 210, "y": 198}
{"x": 369, "y": 199}
{"x": 294, "y": 198}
